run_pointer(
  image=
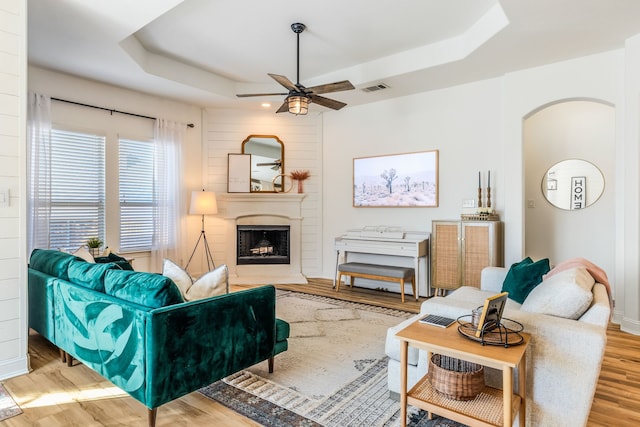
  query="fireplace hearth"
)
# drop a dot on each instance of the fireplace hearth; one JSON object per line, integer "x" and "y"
{"x": 263, "y": 244}
{"x": 258, "y": 209}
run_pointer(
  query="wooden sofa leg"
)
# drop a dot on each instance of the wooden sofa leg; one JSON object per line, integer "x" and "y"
{"x": 271, "y": 365}
{"x": 63, "y": 355}
{"x": 69, "y": 359}
{"x": 151, "y": 415}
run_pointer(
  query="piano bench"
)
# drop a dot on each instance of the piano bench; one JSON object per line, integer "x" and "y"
{"x": 387, "y": 273}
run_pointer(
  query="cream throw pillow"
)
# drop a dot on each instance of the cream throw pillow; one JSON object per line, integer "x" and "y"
{"x": 83, "y": 253}
{"x": 566, "y": 294}
{"x": 213, "y": 283}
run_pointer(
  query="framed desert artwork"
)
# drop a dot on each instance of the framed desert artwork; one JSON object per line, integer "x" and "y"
{"x": 396, "y": 180}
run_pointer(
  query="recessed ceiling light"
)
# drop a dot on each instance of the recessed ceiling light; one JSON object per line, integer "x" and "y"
{"x": 266, "y": 105}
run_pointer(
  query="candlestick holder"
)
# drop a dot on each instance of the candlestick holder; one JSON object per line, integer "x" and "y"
{"x": 489, "y": 197}
{"x": 479, "y": 197}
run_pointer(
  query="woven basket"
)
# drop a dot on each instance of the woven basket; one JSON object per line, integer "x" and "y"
{"x": 456, "y": 379}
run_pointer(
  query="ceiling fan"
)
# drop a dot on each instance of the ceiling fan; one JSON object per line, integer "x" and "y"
{"x": 299, "y": 97}
{"x": 275, "y": 165}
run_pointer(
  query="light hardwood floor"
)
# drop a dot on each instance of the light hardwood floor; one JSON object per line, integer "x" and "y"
{"x": 54, "y": 395}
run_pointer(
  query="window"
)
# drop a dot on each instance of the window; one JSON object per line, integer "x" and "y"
{"x": 77, "y": 189}
{"x": 78, "y": 192}
{"x": 96, "y": 175}
{"x": 136, "y": 195}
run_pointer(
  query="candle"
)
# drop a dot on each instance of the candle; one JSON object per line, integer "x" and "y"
{"x": 489, "y": 180}
{"x": 479, "y": 185}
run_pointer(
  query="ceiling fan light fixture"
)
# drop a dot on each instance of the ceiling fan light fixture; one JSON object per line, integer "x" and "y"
{"x": 298, "y": 105}
{"x": 299, "y": 97}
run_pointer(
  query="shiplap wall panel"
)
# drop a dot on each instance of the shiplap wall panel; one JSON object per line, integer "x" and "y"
{"x": 302, "y": 137}
{"x": 13, "y": 72}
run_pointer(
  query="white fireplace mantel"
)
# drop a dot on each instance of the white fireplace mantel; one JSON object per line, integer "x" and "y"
{"x": 243, "y": 204}
{"x": 263, "y": 209}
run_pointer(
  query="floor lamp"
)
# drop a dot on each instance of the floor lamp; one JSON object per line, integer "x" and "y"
{"x": 203, "y": 203}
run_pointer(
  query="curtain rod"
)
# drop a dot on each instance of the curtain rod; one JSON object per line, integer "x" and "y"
{"x": 111, "y": 110}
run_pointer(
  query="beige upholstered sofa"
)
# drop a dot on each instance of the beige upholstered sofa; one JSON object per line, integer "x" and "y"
{"x": 563, "y": 360}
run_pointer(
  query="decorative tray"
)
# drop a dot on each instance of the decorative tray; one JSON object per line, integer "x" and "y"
{"x": 507, "y": 333}
{"x": 480, "y": 217}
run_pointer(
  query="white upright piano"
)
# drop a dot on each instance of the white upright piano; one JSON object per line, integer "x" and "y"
{"x": 387, "y": 246}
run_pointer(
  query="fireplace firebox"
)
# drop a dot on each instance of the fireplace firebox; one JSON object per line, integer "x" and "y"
{"x": 263, "y": 244}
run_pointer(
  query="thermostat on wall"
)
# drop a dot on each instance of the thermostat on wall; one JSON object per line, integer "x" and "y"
{"x": 4, "y": 197}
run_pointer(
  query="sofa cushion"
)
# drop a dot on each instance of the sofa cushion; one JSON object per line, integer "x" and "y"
{"x": 51, "y": 262}
{"x": 147, "y": 289}
{"x": 523, "y": 276}
{"x": 208, "y": 285}
{"x": 89, "y": 275}
{"x": 566, "y": 294}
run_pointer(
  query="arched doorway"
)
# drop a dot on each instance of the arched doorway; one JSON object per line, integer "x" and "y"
{"x": 570, "y": 129}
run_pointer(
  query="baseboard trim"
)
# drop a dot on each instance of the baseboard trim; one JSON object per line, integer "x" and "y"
{"x": 630, "y": 326}
{"x": 14, "y": 367}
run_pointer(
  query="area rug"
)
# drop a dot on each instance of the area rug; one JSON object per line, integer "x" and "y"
{"x": 8, "y": 407}
{"x": 333, "y": 375}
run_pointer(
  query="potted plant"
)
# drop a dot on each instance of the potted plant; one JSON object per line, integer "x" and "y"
{"x": 94, "y": 244}
{"x": 300, "y": 176}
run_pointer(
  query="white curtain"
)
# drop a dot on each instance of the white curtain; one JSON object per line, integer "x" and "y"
{"x": 168, "y": 195}
{"x": 38, "y": 171}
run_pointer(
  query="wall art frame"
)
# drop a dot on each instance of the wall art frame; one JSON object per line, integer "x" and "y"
{"x": 396, "y": 180}
{"x": 238, "y": 173}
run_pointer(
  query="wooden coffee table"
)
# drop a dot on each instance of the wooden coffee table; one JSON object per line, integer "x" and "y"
{"x": 492, "y": 407}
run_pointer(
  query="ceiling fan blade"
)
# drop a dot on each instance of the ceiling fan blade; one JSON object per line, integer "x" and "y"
{"x": 283, "y": 81}
{"x": 331, "y": 87}
{"x": 245, "y": 95}
{"x": 283, "y": 108}
{"x": 274, "y": 163}
{"x": 326, "y": 102}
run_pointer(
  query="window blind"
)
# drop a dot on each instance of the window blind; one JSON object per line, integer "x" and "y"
{"x": 77, "y": 188}
{"x": 136, "y": 195}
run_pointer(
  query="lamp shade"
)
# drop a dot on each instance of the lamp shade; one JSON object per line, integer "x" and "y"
{"x": 203, "y": 203}
{"x": 298, "y": 105}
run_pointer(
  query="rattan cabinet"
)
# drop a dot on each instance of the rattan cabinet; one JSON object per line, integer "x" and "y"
{"x": 461, "y": 249}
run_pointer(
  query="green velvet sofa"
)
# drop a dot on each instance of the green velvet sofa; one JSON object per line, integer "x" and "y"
{"x": 134, "y": 328}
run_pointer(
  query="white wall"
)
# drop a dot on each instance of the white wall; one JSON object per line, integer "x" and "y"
{"x": 595, "y": 77}
{"x": 570, "y": 130}
{"x": 463, "y": 123}
{"x": 302, "y": 139}
{"x": 627, "y": 210}
{"x": 13, "y": 264}
{"x": 600, "y": 77}
{"x": 89, "y": 92}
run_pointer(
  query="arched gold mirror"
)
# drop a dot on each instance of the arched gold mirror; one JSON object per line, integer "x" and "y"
{"x": 267, "y": 162}
{"x": 573, "y": 184}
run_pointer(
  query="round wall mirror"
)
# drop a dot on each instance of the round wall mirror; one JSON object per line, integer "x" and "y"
{"x": 267, "y": 162}
{"x": 573, "y": 184}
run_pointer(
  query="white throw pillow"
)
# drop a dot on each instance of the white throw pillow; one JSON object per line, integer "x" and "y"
{"x": 210, "y": 284}
{"x": 83, "y": 253}
{"x": 566, "y": 294}
{"x": 176, "y": 273}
